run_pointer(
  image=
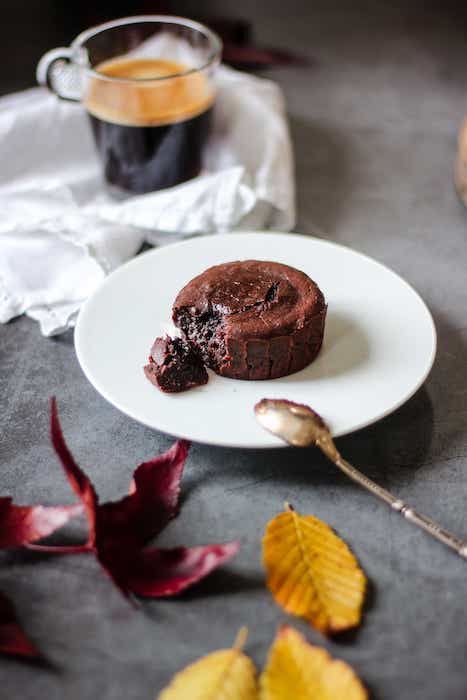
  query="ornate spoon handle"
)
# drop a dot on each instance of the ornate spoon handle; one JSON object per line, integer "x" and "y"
{"x": 300, "y": 426}
{"x": 398, "y": 505}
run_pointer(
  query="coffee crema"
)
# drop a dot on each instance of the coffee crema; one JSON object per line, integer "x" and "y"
{"x": 150, "y": 133}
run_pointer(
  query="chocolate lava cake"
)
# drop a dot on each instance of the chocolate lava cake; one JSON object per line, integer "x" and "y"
{"x": 252, "y": 319}
{"x": 175, "y": 365}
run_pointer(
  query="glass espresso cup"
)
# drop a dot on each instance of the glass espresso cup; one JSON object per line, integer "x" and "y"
{"x": 148, "y": 86}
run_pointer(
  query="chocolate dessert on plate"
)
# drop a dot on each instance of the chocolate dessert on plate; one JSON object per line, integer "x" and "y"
{"x": 244, "y": 320}
{"x": 252, "y": 319}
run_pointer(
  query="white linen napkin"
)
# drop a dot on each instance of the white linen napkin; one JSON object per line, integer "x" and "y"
{"x": 61, "y": 232}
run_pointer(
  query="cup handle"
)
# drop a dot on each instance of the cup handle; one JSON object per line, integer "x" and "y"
{"x": 59, "y": 74}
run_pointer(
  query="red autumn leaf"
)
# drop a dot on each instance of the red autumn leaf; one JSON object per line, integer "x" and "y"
{"x": 153, "y": 499}
{"x": 119, "y": 530}
{"x": 80, "y": 483}
{"x": 12, "y": 638}
{"x": 20, "y": 525}
{"x": 157, "y": 572}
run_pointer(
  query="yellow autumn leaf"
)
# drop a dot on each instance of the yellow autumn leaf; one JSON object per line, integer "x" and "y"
{"x": 312, "y": 573}
{"x": 297, "y": 670}
{"x": 223, "y": 675}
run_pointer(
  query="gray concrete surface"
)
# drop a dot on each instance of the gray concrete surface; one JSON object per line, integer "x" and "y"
{"x": 374, "y": 121}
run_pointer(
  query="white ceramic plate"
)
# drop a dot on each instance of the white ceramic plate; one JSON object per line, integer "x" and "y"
{"x": 379, "y": 344}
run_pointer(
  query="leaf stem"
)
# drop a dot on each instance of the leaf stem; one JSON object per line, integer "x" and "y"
{"x": 240, "y": 639}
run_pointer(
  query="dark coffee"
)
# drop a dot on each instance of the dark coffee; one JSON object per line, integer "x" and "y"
{"x": 150, "y": 134}
{"x": 146, "y": 158}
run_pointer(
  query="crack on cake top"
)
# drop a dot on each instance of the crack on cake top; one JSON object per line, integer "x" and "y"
{"x": 267, "y": 298}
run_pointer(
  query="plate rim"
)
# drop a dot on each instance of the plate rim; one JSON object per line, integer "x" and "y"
{"x": 133, "y": 262}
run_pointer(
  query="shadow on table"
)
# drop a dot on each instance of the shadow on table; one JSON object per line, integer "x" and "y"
{"x": 394, "y": 451}
{"x": 221, "y": 582}
{"x": 395, "y": 448}
{"x": 389, "y": 452}
{"x": 67, "y": 338}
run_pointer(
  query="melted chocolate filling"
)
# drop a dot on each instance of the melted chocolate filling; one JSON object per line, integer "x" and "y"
{"x": 206, "y": 331}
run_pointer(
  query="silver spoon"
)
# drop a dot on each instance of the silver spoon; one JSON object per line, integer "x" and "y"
{"x": 300, "y": 426}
